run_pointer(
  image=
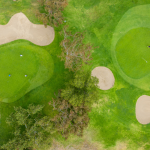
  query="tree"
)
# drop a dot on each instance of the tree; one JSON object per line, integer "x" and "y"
{"x": 42, "y": 17}
{"x": 82, "y": 89}
{"x": 74, "y": 52}
{"x": 70, "y": 119}
{"x": 73, "y": 104}
{"x": 32, "y": 130}
{"x": 52, "y": 12}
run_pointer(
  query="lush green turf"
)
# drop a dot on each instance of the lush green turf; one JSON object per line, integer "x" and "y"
{"x": 133, "y": 53}
{"x": 12, "y": 63}
{"x": 98, "y": 19}
{"x": 114, "y": 118}
{"x": 44, "y": 93}
{"x": 135, "y": 17}
{"x": 34, "y": 63}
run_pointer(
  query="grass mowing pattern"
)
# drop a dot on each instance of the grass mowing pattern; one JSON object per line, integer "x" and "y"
{"x": 99, "y": 29}
{"x": 136, "y": 17}
{"x": 12, "y": 63}
{"x": 100, "y": 22}
{"x": 44, "y": 93}
{"x": 133, "y": 54}
{"x": 34, "y": 63}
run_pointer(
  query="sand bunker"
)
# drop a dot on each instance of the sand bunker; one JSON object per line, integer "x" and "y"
{"x": 105, "y": 76}
{"x": 19, "y": 27}
{"x": 143, "y": 109}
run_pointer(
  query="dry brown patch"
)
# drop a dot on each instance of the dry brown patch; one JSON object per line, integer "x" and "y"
{"x": 86, "y": 142}
{"x": 85, "y": 145}
{"x": 34, "y": 4}
{"x": 56, "y": 146}
{"x": 120, "y": 146}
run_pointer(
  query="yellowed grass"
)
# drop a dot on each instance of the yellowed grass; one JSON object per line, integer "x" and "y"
{"x": 86, "y": 142}
{"x": 120, "y": 146}
{"x": 34, "y": 4}
{"x": 86, "y": 145}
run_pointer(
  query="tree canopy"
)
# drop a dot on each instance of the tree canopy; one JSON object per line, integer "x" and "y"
{"x": 52, "y": 13}
{"x": 82, "y": 89}
{"x": 74, "y": 52}
{"x": 74, "y": 102}
{"x": 70, "y": 119}
{"x": 31, "y": 129}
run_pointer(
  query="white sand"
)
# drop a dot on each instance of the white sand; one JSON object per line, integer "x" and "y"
{"x": 19, "y": 27}
{"x": 105, "y": 76}
{"x": 143, "y": 109}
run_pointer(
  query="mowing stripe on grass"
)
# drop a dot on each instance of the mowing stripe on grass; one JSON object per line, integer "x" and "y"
{"x": 35, "y": 63}
{"x": 133, "y": 53}
{"x": 135, "y": 17}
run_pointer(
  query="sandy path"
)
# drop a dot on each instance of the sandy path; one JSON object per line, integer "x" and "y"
{"x": 19, "y": 27}
{"x": 143, "y": 109}
{"x": 105, "y": 76}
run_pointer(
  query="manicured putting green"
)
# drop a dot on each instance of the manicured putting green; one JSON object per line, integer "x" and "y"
{"x": 12, "y": 63}
{"x": 129, "y": 50}
{"x": 132, "y": 52}
{"x": 34, "y": 62}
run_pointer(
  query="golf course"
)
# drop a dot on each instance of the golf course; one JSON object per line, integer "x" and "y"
{"x": 31, "y": 71}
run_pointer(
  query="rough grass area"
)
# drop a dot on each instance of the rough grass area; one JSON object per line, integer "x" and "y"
{"x": 44, "y": 93}
{"x": 113, "y": 119}
{"x": 133, "y": 53}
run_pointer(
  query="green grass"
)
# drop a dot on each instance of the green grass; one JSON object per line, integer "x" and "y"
{"x": 120, "y": 123}
{"x": 34, "y": 63}
{"x": 136, "y": 17}
{"x": 12, "y": 63}
{"x": 132, "y": 52}
{"x": 103, "y": 21}
{"x": 99, "y": 19}
{"x": 44, "y": 93}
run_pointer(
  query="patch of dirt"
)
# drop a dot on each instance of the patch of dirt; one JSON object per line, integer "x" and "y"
{"x": 35, "y": 4}
{"x": 121, "y": 146}
{"x": 86, "y": 145}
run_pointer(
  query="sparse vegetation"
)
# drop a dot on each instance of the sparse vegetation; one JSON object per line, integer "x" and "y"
{"x": 74, "y": 52}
